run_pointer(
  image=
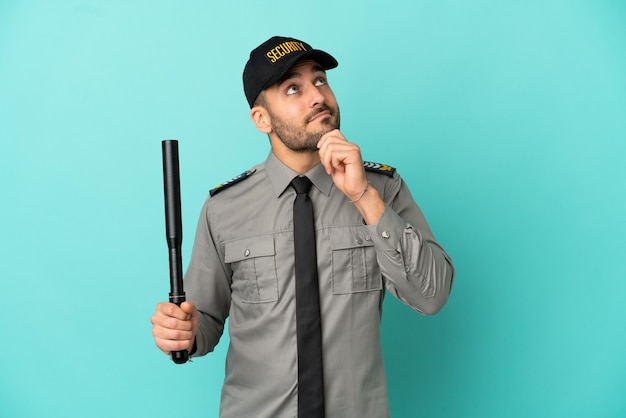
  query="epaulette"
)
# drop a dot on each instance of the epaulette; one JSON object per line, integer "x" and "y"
{"x": 379, "y": 168}
{"x": 230, "y": 182}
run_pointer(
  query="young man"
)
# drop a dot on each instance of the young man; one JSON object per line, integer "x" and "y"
{"x": 369, "y": 237}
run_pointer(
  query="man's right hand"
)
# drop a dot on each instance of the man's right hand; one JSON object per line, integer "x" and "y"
{"x": 174, "y": 328}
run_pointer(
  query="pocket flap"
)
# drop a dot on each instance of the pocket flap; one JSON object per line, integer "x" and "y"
{"x": 250, "y": 247}
{"x": 345, "y": 237}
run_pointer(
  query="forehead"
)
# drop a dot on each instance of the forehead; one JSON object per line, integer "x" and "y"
{"x": 294, "y": 72}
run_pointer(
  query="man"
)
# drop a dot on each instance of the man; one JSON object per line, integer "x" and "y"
{"x": 370, "y": 236}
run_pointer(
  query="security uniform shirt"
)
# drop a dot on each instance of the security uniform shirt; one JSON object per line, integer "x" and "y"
{"x": 242, "y": 267}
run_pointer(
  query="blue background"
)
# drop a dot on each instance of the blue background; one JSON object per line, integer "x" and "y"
{"x": 508, "y": 120}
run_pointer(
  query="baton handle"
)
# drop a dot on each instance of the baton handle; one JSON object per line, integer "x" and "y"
{"x": 174, "y": 229}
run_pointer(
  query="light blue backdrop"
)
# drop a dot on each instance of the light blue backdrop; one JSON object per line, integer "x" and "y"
{"x": 507, "y": 118}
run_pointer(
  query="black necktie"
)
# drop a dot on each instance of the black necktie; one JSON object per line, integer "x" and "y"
{"x": 308, "y": 322}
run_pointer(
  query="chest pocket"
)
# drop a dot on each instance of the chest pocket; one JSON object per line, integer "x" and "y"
{"x": 354, "y": 264}
{"x": 253, "y": 264}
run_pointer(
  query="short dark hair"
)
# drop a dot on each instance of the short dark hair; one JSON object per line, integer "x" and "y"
{"x": 261, "y": 100}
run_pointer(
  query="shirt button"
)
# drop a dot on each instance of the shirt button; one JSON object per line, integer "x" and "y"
{"x": 368, "y": 238}
{"x": 246, "y": 253}
{"x": 359, "y": 241}
{"x": 386, "y": 234}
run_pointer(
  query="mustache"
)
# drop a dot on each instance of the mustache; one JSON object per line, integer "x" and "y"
{"x": 319, "y": 110}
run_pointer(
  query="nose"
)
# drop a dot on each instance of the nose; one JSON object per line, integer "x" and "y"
{"x": 314, "y": 96}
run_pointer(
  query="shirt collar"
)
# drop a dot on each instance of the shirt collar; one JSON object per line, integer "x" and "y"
{"x": 280, "y": 175}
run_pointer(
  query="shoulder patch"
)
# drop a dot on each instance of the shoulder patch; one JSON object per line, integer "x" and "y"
{"x": 379, "y": 168}
{"x": 230, "y": 182}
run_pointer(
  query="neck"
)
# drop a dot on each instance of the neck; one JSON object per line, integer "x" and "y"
{"x": 300, "y": 162}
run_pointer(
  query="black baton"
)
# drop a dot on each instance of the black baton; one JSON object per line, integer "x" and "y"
{"x": 174, "y": 229}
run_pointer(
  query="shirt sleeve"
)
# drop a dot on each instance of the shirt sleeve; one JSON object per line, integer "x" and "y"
{"x": 415, "y": 268}
{"x": 207, "y": 285}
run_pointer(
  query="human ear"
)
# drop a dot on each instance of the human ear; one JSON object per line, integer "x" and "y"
{"x": 261, "y": 119}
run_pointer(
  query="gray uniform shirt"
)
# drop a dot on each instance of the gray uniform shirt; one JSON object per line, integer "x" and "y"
{"x": 242, "y": 267}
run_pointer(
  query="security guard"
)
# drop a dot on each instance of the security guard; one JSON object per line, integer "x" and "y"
{"x": 369, "y": 237}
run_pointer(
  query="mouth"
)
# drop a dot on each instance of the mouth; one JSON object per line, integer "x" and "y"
{"x": 320, "y": 115}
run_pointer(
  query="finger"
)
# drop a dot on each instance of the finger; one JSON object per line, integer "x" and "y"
{"x": 325, "y": 158}
{"x": 171, "y": 310}
{"x": 333, "y": 151}
{"x": 172, "y": 328}
{"x": 339, "y": 154}
{"x": 336, "y": 143}
{"x": 330, "y": 138}
{"x": 335, "y": 133}
{"x": 189, "y": 308}
{"x": 167, "y": 346}
{"x": 172, "y": 334}
{"x": 159, "y": 320}
{"x": 337, "y": 161}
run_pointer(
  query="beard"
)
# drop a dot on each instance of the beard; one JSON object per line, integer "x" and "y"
{"x": 297, "y": 138}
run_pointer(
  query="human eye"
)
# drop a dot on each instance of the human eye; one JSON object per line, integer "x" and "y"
{"x": 320, "y": 81}
{"x": 292, "y": 90}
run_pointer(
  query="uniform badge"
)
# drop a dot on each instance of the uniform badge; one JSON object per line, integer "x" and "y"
{"x": 379, "y": 168}
{"x": 230, "y": 182}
